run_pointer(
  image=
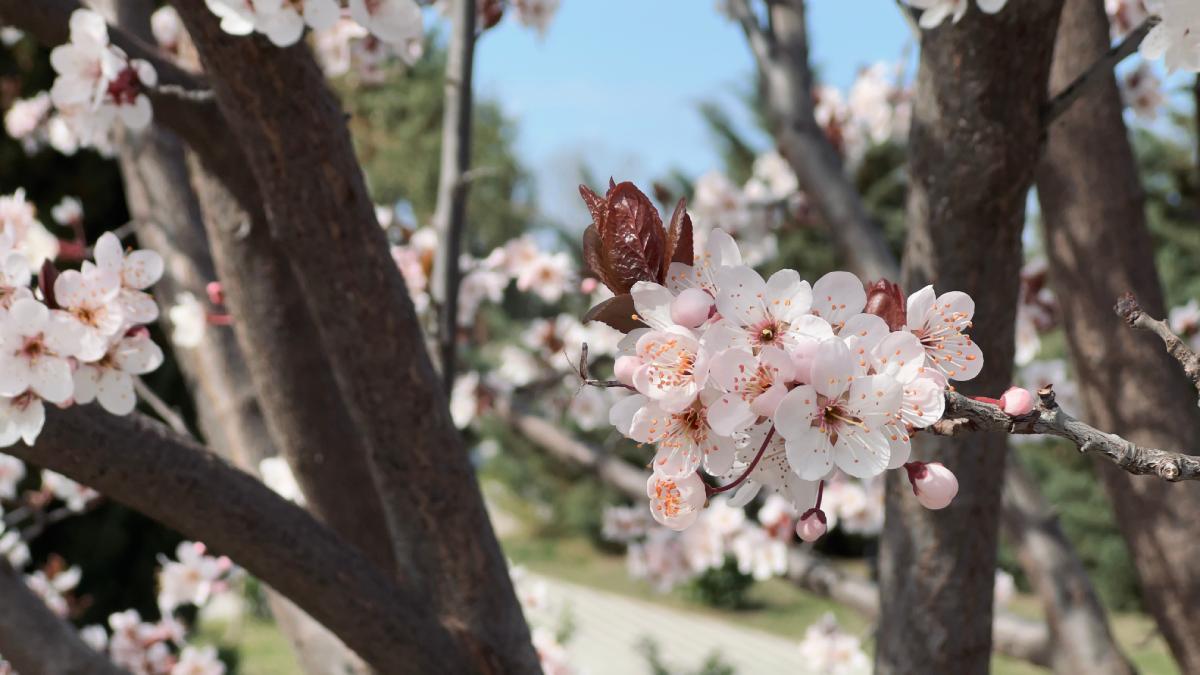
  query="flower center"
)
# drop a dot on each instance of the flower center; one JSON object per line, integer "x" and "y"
{"x": 125, "y": 87}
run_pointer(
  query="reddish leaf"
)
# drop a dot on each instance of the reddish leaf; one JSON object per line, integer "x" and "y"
{"x": 679, "y": 238}
{"x": 593, "y": 254}
{"x": 617, "y": 312}
{"x": 887, "y": 301}
{"x": 633, "y": 237}
{"x": 595, "y": 206}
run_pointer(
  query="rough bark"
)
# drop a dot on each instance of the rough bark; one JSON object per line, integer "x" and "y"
{"x": 35, "y": 641}
{"x": 1079, "y": 629}
{"x": 199, "y": 494}
{"x": 972, "y": 151}
{"x": 780, "y": 51}
{"x": 449, "y": 219}
{"x": 1099, "y": 247}
{"x": 284, "y": 116}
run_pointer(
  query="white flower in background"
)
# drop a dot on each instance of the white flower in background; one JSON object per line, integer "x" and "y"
{"x": 190, "y": 578}
{"x": 553, "y": 657}
{"x": 89, "y": 298}
{"x": 624, "y": 524}
{"x": 282, "y": 21}
{"x": 188, "y": 320}
{"x": 464, "y": 399}
{"x": 10, "y": 35}
{"x": 396, "y": 22}
{"x": 109, "y": 381}
{"x": 517, "y": 367}
{"x": 67, "y": 212}
{"x": 759, "y": 555}
{"x": 12, "y": 472}
{"x": 1124, "y": 16}
{"x": 536, "y": 14}
{"x": 1185, "y": 319}
{"x": 479, "y": 285}
{"x": 21, "y": 418}
{"x": 1004, "y": 589}
{"x": 198, "y": 661}
{"x": 75, "y": 495}
{"x": 167, "y": 28}
{"x": 828, "y": 650}
{"x": 1176, "y": 39}
{"x": 52, "y": 590}
{"x": 1142, "y": 91}
{"x": 589, "y": 408}
{"x": 772, "y": 178}
{"x": 136, "y": 271}
{"x": 277, "y": 474}
{"x": 334, "y": 50}
{"x": 547, "y": 276}
{"x": 719, "y": 204}
{"x": 95, "y": 637}
{"x": 1029, "y": 343}
{"x": 937, "y": 11}
{"x": 14, "y": 549}
{"x": 26, "y": 117}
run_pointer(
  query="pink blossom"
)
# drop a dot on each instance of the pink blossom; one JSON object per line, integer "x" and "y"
{"x": 934, "y": 485}
{"x": 811, "y": 526}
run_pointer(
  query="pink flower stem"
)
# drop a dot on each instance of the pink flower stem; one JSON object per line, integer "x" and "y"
{"x": 987, "y": 399}
{"x": 745, "y": 474}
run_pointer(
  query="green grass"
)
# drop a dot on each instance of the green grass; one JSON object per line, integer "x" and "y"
{"x": 259, "y": 646}
{"x": 781, "y": 608}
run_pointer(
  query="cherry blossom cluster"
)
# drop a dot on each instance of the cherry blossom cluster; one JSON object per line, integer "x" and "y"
{"x": 81, "y": 337}
{"x": 774, "y": 382}
{"x": 935, "y": 12}
{"x": 666, "y": 558}
{"x": 876, "y": 109}
{"x": 752, "y": 212}
{"x": 97, "y": 86}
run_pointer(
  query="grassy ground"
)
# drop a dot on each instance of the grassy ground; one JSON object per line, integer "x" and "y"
{"x": 781, "y": 608}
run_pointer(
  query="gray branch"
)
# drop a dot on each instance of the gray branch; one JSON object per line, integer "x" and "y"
{"x": 1131, "y": 311}
{"x": 1063, "y": 100}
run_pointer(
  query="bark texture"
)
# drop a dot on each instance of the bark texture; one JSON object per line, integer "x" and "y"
{"x": 284, "y": 116}
{"x": 1099, "y": 247}
{"x": 972, "y": 153}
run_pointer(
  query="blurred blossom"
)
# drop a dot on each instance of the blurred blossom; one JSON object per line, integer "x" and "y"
{"x": 188, "y": 319}
{"x": 75, "y": 495}
{"x": 589, "y": 408}
{"x": 464, "y": 399}
{"x": 1004, "y": 589}
{"x": 828, "y": 650}
{"x": 12, "y": 472}
{"x": 277, "y": 474}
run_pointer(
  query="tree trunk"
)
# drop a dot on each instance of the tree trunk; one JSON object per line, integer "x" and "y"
{"x": 972, "y": 153}
{"x": 1099, "y": 247}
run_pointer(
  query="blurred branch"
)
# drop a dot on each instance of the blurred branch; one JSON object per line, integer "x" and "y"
{"x": 780, "y": 51}
{"x": 165, "y": 412}
{"x": 454, "y": 181}
{"x": 35, "y": 641}
{"x": 1103, "y": 67}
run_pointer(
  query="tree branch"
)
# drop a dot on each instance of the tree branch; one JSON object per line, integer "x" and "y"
{"x": 35, "y": 641}
{"x": 1051, "y": 420}
{"x": 1063, "y": 100}
{"x": 1131, "y": 311}
{"x": 781, "y": 52}
{"x": 449, "y": 218}
{"x": 142, "y": 464}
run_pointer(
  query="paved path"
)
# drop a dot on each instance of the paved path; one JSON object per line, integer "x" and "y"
{"x": 609, "y": 627}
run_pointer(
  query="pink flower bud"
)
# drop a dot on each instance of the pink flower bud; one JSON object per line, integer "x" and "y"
{"x": 812, "y": 525}
{"x": 625, "y": 367}
{"x": 1017, "y": 401}
{"x": 216, "y": 295}
{"x": 588, "y": 285}
{"x": 933, "y": 484}
{"x": 691, "y": 308}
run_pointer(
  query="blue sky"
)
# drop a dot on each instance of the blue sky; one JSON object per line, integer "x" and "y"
{"x": 616, "y": 83}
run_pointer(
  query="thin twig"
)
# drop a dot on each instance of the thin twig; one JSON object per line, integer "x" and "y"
{"x": 184, "y": 94}
{"x": 1050, "y": 420}
{"x": 1131, "y": 311}
{"x": 749, "y": 469}
{"x": 160, "y": 407}
{"x": 1063, "y": 100}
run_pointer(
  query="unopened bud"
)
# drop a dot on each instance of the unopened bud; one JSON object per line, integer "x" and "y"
{"x": 934, "y": 485}
{"x": 887, "y": 301}
{"x": 691, "y": 308}
{"x": 625, "y": 367}
{"x": 1017, "y": 401}
{"x": 216, "y": 295}
{"x": 812, "y": 525}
